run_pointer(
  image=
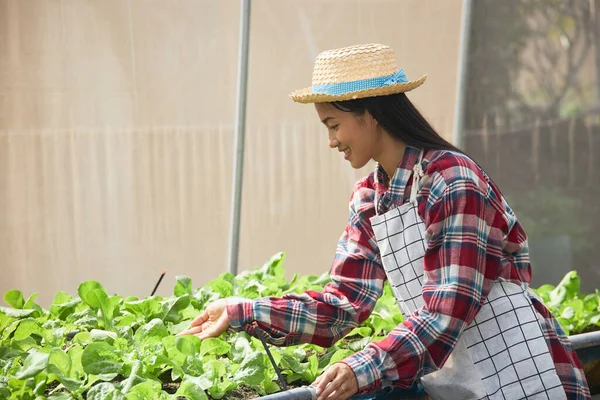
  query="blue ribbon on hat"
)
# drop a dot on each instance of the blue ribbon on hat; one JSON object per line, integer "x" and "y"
{"x": 371, "y": 83}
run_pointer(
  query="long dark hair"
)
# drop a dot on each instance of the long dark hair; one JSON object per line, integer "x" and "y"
{"x": 400, "y": 118}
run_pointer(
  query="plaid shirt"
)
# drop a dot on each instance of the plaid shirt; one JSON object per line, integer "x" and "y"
{"x": 467, "y": 223}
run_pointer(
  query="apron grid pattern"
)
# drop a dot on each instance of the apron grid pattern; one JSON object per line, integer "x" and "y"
{"x": 502, "y": 354}
{"x": 520, "y": 366}
{"x": 407, "y": 287}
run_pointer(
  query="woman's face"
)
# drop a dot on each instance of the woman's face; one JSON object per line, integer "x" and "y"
{"x": 357, "y": 138}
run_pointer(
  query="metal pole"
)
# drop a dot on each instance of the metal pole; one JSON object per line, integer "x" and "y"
{"x": 463, "y": 63}
{"x": 240, "y": 127}
{"x": 595, "y": 13}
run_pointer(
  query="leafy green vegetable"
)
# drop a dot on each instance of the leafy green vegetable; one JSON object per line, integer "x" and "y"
{"x": 94, "y": 295}
{"x": 35, "y": 363}
{"x": 100, "y": 358}
{"x": 575, "y": 312}
{"x": 183, "y": 286}
{"x": 214, "y": 346}
{"x": 193, "y": 387}
{"x": 98, "y": 346}
{"x": 14, "y": 298}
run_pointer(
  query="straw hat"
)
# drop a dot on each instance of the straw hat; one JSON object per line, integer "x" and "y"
{"x": 355, "y": 72}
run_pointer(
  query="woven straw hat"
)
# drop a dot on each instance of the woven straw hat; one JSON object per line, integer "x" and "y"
{"x": 355, "y": 72}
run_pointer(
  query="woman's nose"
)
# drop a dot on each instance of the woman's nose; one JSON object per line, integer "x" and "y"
{"x": 333, "y": 142}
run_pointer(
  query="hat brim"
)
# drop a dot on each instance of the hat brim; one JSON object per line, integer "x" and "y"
{"x": 307, "y": 96}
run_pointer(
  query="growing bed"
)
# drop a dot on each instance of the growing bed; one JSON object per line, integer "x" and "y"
{"x": 97, "y": 346}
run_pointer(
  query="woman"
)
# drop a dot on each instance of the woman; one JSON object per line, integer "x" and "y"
{"x": 433, "y": 223}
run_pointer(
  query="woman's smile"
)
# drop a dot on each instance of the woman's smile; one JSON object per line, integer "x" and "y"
{"x": 346, "y": 152}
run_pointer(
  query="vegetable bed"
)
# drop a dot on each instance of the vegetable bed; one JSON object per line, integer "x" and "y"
{"x": 98, "y": 346}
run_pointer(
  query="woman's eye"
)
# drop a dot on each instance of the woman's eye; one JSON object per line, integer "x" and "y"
{"x": 335, "y": 127}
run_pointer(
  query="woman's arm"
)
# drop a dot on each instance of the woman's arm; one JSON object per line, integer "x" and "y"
{"x": 323, "y": 318}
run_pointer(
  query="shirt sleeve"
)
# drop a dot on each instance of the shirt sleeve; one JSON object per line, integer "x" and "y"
{"x": 322, "y": 318}
{"x": 459, "y": 221}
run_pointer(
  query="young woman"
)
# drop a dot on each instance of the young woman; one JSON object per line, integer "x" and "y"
{"x": 431, "y": 222}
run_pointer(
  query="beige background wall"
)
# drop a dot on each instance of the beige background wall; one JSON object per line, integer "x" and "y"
{"x": 116, "y": 133}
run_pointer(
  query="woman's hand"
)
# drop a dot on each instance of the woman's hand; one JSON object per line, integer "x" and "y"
{"x": 337, "y": 383}
{"x": 212, "y": 322}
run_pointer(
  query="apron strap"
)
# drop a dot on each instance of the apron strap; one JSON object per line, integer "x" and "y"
{"x": 417, "y": 173}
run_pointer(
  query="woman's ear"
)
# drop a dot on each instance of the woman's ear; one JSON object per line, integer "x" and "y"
{"x": 370, "y": 119}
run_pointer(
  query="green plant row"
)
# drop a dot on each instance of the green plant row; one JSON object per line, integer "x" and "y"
{"x": 96, "y": 346}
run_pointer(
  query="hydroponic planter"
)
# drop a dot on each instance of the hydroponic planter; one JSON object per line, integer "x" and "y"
{"x": 587, "y": 347}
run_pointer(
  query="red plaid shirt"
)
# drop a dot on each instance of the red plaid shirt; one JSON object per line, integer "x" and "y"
{"x": 452, "y": 184}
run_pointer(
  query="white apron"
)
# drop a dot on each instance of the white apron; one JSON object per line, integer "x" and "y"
{"x": 502, "y": 354}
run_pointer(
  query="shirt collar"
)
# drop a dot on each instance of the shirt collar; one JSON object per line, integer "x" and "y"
{"x": 387, "y": 198}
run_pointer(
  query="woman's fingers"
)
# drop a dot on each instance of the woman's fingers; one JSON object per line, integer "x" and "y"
{"x": 209, "y": 329}
{"x": 192, "y": 331}
{"x": 328, "y": 383}
{"x": 200, "y": 319}
{"x": 212, "y": 322}
{"x": 316, "y": 382}
{"x": 337, "y": 383}
{"x": 214, "y": 328}
{"x": 322, "y": 381}
{"x": 196, "y": 325}
{"x": 334, "y": 391}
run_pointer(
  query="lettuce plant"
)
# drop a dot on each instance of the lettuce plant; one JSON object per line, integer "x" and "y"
{"x": 109, "y": 347}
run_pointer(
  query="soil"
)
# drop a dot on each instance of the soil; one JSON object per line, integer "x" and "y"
{"x": 243, "y": 392}
{"x": 590, "y": 328}
{"x": 50, "y": 387}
